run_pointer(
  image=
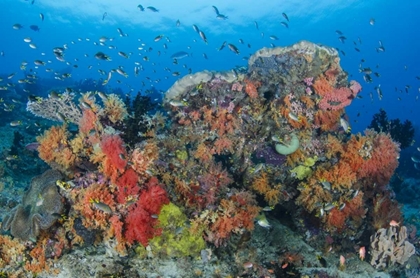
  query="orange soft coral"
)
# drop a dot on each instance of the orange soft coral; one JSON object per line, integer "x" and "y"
{"x": 384, "y": 158}
{"x": 88, "y": 121}
{"x": 251, "y": 88}
{"x": 54, "y": 148}
{"x": 328, "y": 120}
{"x": 322, "y": 86}
{"x": 114, "y": 109}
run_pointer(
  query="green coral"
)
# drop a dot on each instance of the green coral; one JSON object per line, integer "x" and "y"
{"x": 176, "y": 239}
{"x": 304, "y": 171}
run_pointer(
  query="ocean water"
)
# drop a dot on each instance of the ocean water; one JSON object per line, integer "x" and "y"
{"x": 149, "y": 39}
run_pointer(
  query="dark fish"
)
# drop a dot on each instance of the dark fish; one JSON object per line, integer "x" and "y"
{"x": 256, "y": 24}
{"x": 358, "y": 50}
{"x": 35, "y": 28}
{"x": 285, "y": 16}
{"x": 339, "y": 32}
{"x": 140, "y": 7}
{"x": 205, "y": 56}
{"x": 195, "y": 27}
{"x": 222, "y": 46}
{"x": 233, "y": 48}
{"x": 104, "y": 15}
{"x": 178, "y": 23}
{"x": 216, "y": 10}
{"x": 102, "y": 56}
{"x": 153, "y": 9}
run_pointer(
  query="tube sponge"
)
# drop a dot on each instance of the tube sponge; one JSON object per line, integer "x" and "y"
{"x": 290, "y": 147}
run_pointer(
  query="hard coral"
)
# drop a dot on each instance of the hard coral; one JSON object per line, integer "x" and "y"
{"x": 39, "y": 206}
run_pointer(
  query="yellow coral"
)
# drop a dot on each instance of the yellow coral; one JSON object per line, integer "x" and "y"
{"x": 114, "y": 109}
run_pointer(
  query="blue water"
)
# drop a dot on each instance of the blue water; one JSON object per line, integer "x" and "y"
{"x": 73, "y": 22}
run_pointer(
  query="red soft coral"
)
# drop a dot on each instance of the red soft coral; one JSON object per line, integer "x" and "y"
{"x": 383, "y": 161}
{"x": 127, "y": 185}
{"x": 140, "y": 222}
{"x": 113, "y": 148}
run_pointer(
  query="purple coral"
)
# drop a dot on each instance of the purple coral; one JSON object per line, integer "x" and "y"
{"x": 270, "y": 156}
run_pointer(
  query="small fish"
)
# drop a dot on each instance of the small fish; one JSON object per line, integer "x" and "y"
{"x": 158, "y": 38}
{"x": 41, "y": 15}
{"x": 203, "y": 36}
{"x": 205, "y": 56}
{"x": 268, "y": 208}
{"x": 294, "y": 117}
{"x": 102, "y": 56}
{"x": 372, "y": 21}
{"x": 140, "y": 7}
{"x": 326, "y": 185}
{"x": 16, "y": 123}
{"x": 11, "y": 157}
{"x": 285, "y": 16}
{"x": 178, "y": 23}
{"x": 284, "y": 24}
{"x": 216, "y": 10}
{"x": 17, "y": 26}
{"x": 123, "y": 54}
{"x": 177, "y": 103}
{"x": 101, "y": 206}
{"x": 342, "y": 206}
{"x": 153, "y": 9}
{"x": 345, "y": 125}
{"x": 195, "y": 27}
{"x": 222, "y": 46}
{"x": 379, "y": 91}
{"x": 274, "y": 38}
{"x": 367, "y": 78}
{"x": 233, "y": 48}
{"x": 256, "y": 25}
{"x": 262, "y": 221}
{"x": 102, "y": 95}
{"x": 258, "y": 168}
{"x": 27, "y": 39}
{"x": 415, "y": 159}
{"x": 32, "y": 45}
{"x": 329, "y": 206}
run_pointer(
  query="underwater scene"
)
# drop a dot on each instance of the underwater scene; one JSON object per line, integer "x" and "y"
{"x": 209, "y": 138}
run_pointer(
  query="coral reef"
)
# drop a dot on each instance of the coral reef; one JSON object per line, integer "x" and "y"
{"x": 230, "y": 145}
